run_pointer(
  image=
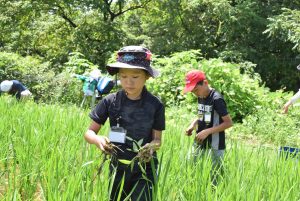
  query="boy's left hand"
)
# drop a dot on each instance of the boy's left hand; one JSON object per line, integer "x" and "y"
{"x": 202, "y": 135}
{"x": 146, "y": 152}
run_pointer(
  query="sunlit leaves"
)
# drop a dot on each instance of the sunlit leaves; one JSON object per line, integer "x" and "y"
{"x": 286, "y": 26}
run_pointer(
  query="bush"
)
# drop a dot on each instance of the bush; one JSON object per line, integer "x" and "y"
{"x": 31, "y": 71}
{"x": 65, "y": 89}
{"x": 242, "y": 91}
{"x": 169, "y": 85}
{"x": 241, "y": 87}
{"x": 78, "y": 64}
{"x": 40, "y": 79}
{"x": 271, "y": 126}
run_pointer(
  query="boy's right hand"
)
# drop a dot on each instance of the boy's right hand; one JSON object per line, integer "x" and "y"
{"x": 285, "y": 108}
{"x": 189, "y": 130}
{"x": 103, "y": 144}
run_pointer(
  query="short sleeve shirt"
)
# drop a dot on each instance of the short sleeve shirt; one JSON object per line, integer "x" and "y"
{"x": 138, "y": 117}
{"x": 210, "y": 112}
{"x": 17, "y": 88}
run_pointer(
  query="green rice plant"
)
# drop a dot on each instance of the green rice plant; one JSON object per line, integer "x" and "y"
{"x": 43, "y": 156}
{"x": 271, "y": 126}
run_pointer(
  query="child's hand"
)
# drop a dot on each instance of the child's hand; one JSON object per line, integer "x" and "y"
{"x": 146, "y": 152}
{"x": 104, "y": 144}
{"x": 285, "y": 108}
{"x": 189, "y": 130}
{"x": 202, "y": 135}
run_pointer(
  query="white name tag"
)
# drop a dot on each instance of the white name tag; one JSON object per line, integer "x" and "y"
{"x": 118, "y": 137}
{"x": 207, "y": 117}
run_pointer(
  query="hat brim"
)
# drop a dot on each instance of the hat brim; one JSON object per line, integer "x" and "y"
{"x": 189, "y": 87}
{"x": 114, "y": 68}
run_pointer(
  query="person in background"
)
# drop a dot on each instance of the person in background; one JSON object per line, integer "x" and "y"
{"x": 135, "y": 115}
{"x": 211, "y": 123}
{"x": 89, "y": 86}
{"x": 105, "y": 85}
{"x": 14, "y": 88}
{"x": 292, "y": 100}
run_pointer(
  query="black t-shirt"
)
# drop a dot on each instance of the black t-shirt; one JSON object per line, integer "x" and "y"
{"x": 210, "y": 112}
{"x": 138, "y": 117}
{"x": 17, "y": 88}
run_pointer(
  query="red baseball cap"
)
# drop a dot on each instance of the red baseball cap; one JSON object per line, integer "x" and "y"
{"x": 192, "y": 78}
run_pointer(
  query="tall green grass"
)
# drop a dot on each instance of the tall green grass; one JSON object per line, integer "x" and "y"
{"x": 43, "y": 156}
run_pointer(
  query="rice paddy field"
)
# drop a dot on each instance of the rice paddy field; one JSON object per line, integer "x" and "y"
{"x": 43, "y": 156}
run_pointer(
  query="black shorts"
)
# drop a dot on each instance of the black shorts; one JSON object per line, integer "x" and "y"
{"x": 137, "y": 185}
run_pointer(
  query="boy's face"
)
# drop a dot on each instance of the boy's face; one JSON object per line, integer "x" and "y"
{"x": 133, "y": 80}
{"x": 200, "y": 90}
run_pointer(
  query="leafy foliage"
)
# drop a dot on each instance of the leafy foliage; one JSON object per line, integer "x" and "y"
{"x": 169, "y": 85}
{"x": 269, "y": 125}
{"x": 32, "y": 72}
{"x": 242, "y": 91}
{"x": 231, "y": 30}
{"x": 64, "y": 89}
{"x": 286, "y": 26}
{"x": 240, "y": 85}
{"x": 45, "y": 85}
{"x": 78, "y": 64}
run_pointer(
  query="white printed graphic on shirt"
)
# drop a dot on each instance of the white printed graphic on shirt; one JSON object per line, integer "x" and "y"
{"x": 204, "y": 113}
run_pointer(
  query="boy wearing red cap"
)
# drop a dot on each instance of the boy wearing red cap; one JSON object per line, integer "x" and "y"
{"x": 212, "y": 120}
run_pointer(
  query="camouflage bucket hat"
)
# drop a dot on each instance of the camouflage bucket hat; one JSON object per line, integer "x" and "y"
{"x": 135, "y": 57}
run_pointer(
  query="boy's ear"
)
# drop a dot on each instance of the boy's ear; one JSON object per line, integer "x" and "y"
{"x": 205, "y": 82}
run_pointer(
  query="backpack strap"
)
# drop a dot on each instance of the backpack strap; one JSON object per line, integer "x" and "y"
{"x": 116, "y": 105}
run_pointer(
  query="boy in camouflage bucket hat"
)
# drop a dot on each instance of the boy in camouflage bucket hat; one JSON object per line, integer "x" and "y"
{"x": 135, "y": 115}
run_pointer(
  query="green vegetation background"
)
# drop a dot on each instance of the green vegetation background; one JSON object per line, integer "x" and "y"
{"x": 45, "y": 37}
{"x": 249, "y": 50}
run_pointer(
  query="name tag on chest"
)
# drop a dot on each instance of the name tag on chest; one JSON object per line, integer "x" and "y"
{"x": 117, "y": 134}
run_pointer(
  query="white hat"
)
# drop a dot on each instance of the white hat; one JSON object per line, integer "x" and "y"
{"x": 6, "y": 85}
